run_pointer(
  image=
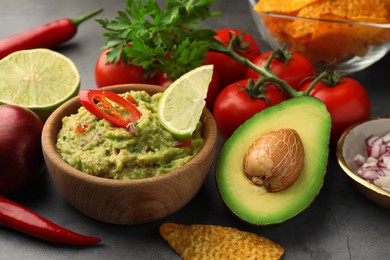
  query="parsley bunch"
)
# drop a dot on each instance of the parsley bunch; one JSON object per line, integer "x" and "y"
{"x": 169, "y": 40}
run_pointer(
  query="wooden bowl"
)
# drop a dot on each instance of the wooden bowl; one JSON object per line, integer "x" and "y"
{"x": 352, "y": 142}
{"x": 127, "y": 201}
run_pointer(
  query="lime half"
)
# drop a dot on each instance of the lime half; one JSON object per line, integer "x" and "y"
{"x": 38, "y": 79}
{"x": 182, "y": 103}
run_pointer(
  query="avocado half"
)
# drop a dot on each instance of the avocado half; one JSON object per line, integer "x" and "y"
{"x": 253, "y": 204}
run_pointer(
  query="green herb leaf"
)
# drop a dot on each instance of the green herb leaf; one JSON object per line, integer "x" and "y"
{"x": 169, "y": 40}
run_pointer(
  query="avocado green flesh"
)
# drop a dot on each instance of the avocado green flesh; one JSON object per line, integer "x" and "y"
{"x": 251, "y": 203}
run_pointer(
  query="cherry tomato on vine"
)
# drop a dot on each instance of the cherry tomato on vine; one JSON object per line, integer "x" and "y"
{"x": 163, "y": 80}
{"x": 234, "y": 105}
{"x": 291, "y": 67}
{"x": 228, "y": 68}
{"x": 108, "y": 74}
{"x": 249, "y": 48}
{"x": 347, "y": 101}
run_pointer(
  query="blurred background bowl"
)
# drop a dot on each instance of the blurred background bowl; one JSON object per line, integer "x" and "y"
{"x": 127, "y": 201}
{"x": 337, "y": 44}
{"x": 353, "y": 142}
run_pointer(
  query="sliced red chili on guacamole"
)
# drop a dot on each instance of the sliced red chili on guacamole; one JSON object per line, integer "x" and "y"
{"x": 108, "y": 108}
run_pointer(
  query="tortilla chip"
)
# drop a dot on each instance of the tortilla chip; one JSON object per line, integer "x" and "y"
{"x": 300, "y": 27}
{"x": 216, "y": 242}
{"x": 359, "y": 10}
{"x": 276, "y": 26}
{"x": 329, "y": 42}
{"x": 282, "y": 6}
{"x": 349, "y": 39}
{"x": 322, "y": 49}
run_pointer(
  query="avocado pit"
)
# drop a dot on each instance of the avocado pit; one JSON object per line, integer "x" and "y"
{"x": 275, "y": 160}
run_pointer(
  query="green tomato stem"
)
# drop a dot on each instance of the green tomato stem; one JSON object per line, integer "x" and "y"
{"x": 314, "y": 82}
{"x": 269, "y": 60}
{"x": 264, "y": 71}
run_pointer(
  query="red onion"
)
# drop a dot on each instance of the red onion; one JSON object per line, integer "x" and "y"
{"x": 377, "y": 164}
{"x": 130, "y": 128}
{"x": 21, "y": 159}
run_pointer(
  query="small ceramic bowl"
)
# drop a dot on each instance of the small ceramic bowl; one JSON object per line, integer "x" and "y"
{"x": 351, "y": 143}
{"x": 342, "y": 45}
{"x": 127, "y": 202}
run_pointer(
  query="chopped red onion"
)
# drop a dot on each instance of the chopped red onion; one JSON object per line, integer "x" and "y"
{"x": 383, "y": 182}
{"x": 386, "y": 138}
{"x": 130, "y": 128}
{"x": 376, "y": 165}
{"x": 359, "y": 160}
{"x": 372, "y": 139}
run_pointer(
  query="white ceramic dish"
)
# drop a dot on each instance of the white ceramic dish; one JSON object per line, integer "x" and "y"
{"x": 352, "y": 142}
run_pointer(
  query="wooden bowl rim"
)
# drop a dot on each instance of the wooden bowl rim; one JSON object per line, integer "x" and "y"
{"x": 48, "y": 142}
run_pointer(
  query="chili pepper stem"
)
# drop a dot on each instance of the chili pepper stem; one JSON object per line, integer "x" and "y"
{"x": 78, "y": 20}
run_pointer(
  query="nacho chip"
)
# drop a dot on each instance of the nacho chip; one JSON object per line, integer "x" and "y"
{"x": 328, "y": 42}
{"x": 324, "y": 50}
{"x": 216, "y": 242}
{"x": 373, "y": 11}
{"x": 282, "y": 6}
{"x": 276, "y": 26}
{"x": 360, "y": 10}
{"x": 298, "y": 28}
{"x": 349, "y": 39}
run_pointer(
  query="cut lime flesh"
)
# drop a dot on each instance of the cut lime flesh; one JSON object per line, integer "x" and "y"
{"x": 38, "y": 79}
{"x": 182, "y": 103}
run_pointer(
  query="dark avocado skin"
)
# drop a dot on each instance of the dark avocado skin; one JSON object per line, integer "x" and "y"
{"x": 252, "y": 204}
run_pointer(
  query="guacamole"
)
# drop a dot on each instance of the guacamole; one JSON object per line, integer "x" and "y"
{"x": 96, "y": 147}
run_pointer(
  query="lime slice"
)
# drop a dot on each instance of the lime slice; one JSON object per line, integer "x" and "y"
{"x": 38, "y": 79}
{"x": 182, "y": 103}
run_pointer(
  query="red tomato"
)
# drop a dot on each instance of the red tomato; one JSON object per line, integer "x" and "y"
{"x": 163, "y": 80}
{"x": 347, "y": 102}
{"x": 293, "y": 70}
{"x": 228, "y": 68}
{"x": 108, "y": 74}
{"x": 214, "y": 88}
{"x": 251, "y": 49}
{"x": 234, "y": 106}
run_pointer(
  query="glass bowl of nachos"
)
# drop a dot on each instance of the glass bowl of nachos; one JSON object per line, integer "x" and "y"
{"x": 340, "y": 35}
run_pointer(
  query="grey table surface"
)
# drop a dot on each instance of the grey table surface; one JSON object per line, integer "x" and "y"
{"x": 340, "y": 223}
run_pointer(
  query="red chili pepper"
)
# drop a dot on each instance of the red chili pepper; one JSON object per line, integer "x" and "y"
{"x": 131, "y": 100}
{"x": 17, "y": 217}
{"x": 87, "y": 99}
{"x": 46, "y": 36}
